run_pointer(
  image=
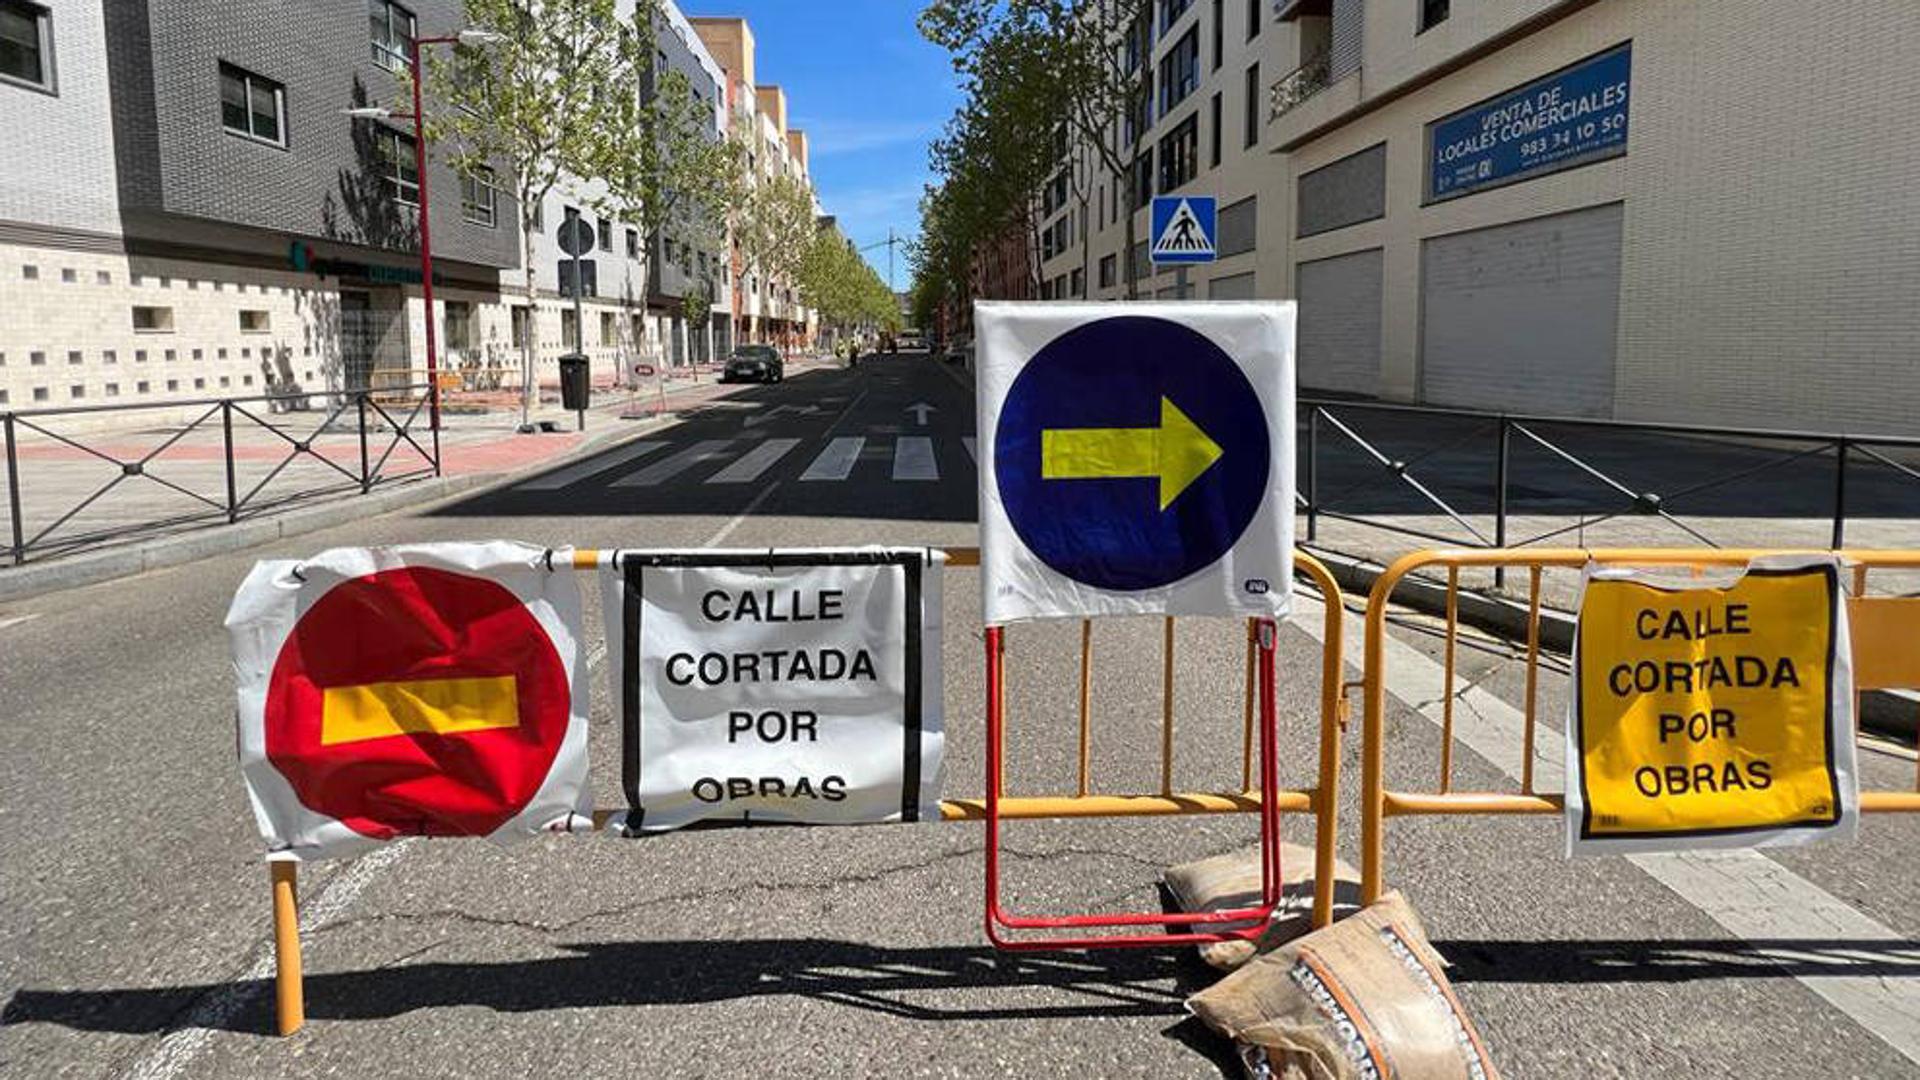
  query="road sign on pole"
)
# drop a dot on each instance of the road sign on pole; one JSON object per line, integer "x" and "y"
{"x": 435, "y": 690}
{"x": 1136, "y": 463}
{"x": 1183, "y": 229}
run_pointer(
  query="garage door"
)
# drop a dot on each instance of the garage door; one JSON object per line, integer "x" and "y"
{"x": 1339, "y": 348}
{"x": 1521, "y": 317}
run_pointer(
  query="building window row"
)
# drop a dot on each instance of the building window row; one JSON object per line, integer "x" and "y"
{"x": 1180, "y": 154}
{"x": 1180, "y": 71}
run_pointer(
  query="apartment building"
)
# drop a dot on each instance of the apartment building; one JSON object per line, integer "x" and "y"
{"x": 1610, "y": 208}
{"x": 1693, "y": 213}
{"x": 766, "y": 308}
{"x": 185, "y": 212}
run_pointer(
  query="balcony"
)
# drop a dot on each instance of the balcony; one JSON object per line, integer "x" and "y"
{"x": 1300, "y": 84}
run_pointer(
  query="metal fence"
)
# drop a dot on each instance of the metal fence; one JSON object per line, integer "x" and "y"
{"x": 79, "y": 468}
{"x": 1478, "y": 479}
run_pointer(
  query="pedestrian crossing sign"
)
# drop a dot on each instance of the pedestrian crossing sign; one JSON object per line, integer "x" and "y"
{"x": 1183, "y": 229}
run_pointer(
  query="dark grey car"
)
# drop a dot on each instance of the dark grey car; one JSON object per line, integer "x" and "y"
{"x": 755, "y": 363}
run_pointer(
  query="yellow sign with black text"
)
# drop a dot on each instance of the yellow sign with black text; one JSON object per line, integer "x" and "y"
{"x": 1716, "y": 716}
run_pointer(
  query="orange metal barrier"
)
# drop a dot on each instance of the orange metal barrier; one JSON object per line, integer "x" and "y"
{"x": 1322, "y": 800}
{"x": 1884, "y": 631}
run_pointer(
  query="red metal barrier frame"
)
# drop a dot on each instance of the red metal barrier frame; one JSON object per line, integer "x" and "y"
{"x": 999, "y": 920}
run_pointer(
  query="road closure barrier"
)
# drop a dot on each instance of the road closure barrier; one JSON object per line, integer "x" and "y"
{"x": 384, "y": 691}
{"x": 1707, "y": 713}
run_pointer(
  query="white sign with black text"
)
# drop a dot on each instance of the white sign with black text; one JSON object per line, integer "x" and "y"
{"x": 787, "y": 686}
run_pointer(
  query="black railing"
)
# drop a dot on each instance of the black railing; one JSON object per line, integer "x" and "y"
{"x": 366, "y": 416}
{"x": 1375, "y": 464}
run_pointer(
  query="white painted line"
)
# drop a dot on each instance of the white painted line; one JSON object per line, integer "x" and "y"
{"x": 633, "y": 451}
{"x": 16, "y": 620}
{"x": 973, "y": 448}
{"x": 1750, "y": 895}
{"x": 837, "y": 460}
{"x": 748, "y": 467}
{"x": 913, "y": 458}
{"x": 705, "y": 450}
{"x": 740, "y": 518}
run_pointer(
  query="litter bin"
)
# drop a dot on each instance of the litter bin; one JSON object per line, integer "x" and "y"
{"x": 573, "y": 382}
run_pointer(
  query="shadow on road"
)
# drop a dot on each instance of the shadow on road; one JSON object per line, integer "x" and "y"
{"x": 1657, "y": 961}
{"x": 907, "y": 983}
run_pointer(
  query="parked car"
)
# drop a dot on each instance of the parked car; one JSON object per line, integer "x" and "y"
{"x": 754, "y": 363}
{"x": 961, "y": 352}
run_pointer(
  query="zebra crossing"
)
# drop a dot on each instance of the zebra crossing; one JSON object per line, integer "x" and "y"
{"x": 652, "y": 463}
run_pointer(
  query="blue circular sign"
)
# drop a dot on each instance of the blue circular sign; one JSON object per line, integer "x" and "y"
{"x": 1131, "y": 452}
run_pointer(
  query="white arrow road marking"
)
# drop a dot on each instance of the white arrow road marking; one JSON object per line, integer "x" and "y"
{"x": 920, "y": 409}
{"x": 705, "y": 450}
{"x": 1750, "y": 895}
{"x": 837, "y": 460}
{"x": 751, "y": 464}
{"x": 913, "y": 458}
{"x": 599, "y": 463}
{"x": 778, "y": 411}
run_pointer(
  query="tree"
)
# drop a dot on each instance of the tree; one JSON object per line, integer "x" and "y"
{"x": 775, "y": 225}
{"x": 540, "y": 101}
{"x": 1087, "y": 59}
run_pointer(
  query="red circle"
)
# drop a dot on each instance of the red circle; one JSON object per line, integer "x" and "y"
{"x": 417, "y": 623}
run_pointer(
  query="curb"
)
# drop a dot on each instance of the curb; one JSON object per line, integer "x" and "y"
{"x": 1894, "y": 713}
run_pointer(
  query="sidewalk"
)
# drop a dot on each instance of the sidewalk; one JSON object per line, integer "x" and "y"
{"x": 94, "y": 497}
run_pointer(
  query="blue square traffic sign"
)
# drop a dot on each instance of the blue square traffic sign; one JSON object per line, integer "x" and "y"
{"x": 1183, "y": 229}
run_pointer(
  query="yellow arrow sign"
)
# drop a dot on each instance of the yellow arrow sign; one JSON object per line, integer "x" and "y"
{"x": 1177, "y": 452}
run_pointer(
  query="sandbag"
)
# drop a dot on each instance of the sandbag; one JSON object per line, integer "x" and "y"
{"x": 1366, "y": 997}
{"x": 1232, "y": 880}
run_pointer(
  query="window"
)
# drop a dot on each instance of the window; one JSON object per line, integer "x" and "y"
{"x": 569, "y": 329}
{"x": 1107, "y": 265}
{"x": 1142, "y": 179}
{"x": 399, "y": 170}
{"x": 26, "y": 44}
{"x": 75, "y": 356}
{"x": 633, "y": 243}
{"x": 1252, "y": 118}
{"x": 605, "y": 230}
{"x": 153, "y": 319}
{"x": 143, "y": 386}
{"x": 255, "y": 322}
{"x": 252, "y": 106}
{"x": 458, "y": 325}
{"x": 76, "y": 391}
{"x": 1213, "y": 152}
{"x": 1170, "y": 12}
{"x": 39, "y": 393}
{"x": 1433, "y": 13}
{"x": 608, "y": 334}
{"x": 1180, "y": 154}
{"x": 393, "y": 30}
{"x": 1180, "y": 71}
{"x": 479, "y": 197}
{"x": 1219, "y": 28}
{"x": 1253, "y": 18}
{"x": 37, "y": 358}
{"x": 1079, "y": 282}
{"x": 521, "y": 322}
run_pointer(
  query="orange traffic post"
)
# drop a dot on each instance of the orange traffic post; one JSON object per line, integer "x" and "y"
{"x": 289, "y": 994}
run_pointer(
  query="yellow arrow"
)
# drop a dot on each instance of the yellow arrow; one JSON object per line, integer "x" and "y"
{"x": 1177, "y": 452}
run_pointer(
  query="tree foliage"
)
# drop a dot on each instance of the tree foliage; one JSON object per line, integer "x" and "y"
{"x": 842, "y": 286}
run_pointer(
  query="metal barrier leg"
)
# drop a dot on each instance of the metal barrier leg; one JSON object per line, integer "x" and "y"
{"x": 289, "y": 993}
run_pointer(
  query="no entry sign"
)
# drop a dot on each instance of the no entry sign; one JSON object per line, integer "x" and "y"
{"x": 432, "y": 691}
{"x": 792, "y": 686}
{"x": 1717, "y": 716}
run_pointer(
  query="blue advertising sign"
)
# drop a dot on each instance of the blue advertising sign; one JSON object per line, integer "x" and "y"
{"x": 1182, "y": 229}
{"x": 1574, "y": 116}
{"x": 1131, "y": 452}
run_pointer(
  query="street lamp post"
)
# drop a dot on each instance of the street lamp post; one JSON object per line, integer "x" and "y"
{"x": 418, "y": 116}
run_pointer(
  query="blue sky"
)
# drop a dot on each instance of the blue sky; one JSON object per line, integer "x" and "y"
{"x": 869, "y": 91}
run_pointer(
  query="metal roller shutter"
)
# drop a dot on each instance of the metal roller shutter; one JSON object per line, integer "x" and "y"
{"x": 1522, "y": 317}
{"x": 1340, "y": 323}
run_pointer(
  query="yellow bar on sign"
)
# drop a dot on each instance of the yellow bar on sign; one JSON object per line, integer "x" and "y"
{"x": 418, "y": 707}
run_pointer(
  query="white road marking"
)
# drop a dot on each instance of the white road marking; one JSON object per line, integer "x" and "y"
{"x": 741, "y": 517}
{"x": 1748, "y": 894}
{"x": 16, "y": 620}
{"x": 913, "y": 458}
{"x": 705, "y": 450}
{"x": 973, "y": 447}
{"x": 751, "y": 464}
{"x": 633, "y": 451}
{"x": 837, "y": 460}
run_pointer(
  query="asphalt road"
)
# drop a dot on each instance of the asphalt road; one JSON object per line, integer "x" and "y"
{"x": 134, "y": 910}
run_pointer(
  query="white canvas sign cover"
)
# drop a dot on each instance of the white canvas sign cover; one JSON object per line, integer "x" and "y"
{"x": 1136, "y": 459}
{"x": 792, "y": 686}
